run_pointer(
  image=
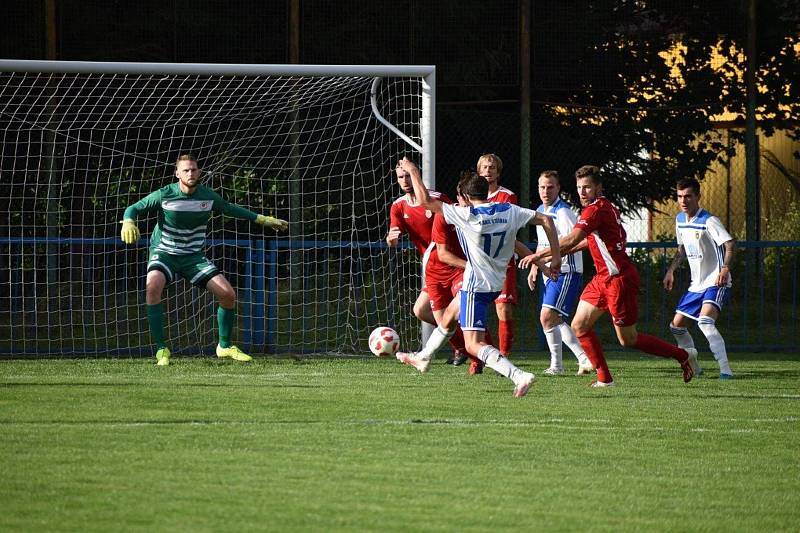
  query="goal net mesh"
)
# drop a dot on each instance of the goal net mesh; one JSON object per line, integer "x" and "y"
{"x": 77, "y": 149}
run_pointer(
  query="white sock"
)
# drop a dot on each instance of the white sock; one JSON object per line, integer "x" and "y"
{"x": 553, "y": 336}
{"x": 715, "y": 342}
{"x": 568, "y": 337}
{"x": 492, "y": 357}
{"x": 682, "y": 337}
{"x": 438, "y": 338}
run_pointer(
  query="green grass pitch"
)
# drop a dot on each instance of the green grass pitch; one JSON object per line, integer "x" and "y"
{"x": 371, "y": 445}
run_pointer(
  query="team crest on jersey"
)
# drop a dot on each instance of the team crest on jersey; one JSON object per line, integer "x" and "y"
{"x": 428, "y": 213}
{"x": 697, "y": 235}
{"x": 154, "y": 257}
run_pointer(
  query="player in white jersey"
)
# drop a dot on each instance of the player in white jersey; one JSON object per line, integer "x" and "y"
{"x": 559, "y": 296}
{"x": 708, "y": 246}
{"x": 487, "y": 232}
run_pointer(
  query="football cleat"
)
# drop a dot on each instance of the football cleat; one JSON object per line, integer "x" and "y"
{"x": 724, "y": 375}
{"x": 554, "y": 371}
{"x": 476, "y": 367}
{"x": 162, "y": 357}
{"x": 411, "y": 358}
{"x": 233, "y": 352}
{"x": 688, "y": 367}
{"x": 599, "y": 384}
{"x": 524, "y": 384}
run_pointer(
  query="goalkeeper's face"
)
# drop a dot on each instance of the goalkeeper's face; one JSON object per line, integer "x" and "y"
{"x": 188, "y": 174}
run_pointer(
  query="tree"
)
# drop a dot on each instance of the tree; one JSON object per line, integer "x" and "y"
{"x": 640, "y": 92}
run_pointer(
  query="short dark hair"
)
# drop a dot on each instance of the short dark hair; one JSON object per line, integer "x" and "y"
{"x": 185, "y": 157}
{"x": 589, "y": 171}
{"x": 552, "y": 174}
{"x": 472, "y": 186}
{"x": 688, "y": 183}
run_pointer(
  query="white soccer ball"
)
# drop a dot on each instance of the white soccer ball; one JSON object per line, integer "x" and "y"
{"x": 384, "y": 341}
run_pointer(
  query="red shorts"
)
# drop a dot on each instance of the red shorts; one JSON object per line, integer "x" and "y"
{"x": 509, "y": 293}
{"x": 619, "y": 295}
{"x": 441, "y": 293}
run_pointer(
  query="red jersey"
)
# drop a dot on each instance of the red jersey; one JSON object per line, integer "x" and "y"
{"x": 502, "y": 196}
{"x": 442, "y": 233}
{"x": 606, "y": 237}
{"x": 414, "y": 220}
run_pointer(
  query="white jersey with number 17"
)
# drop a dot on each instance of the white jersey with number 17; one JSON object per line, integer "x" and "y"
{"x": 487, "y": 233}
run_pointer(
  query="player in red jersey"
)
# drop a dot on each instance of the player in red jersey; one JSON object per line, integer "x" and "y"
{"x": 408, "y": 216}
{"x": 615, "y": 287}
{"x": 490, "y": 166}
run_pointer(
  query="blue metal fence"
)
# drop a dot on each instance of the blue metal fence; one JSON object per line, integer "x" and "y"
{"x": 763, "y": 314}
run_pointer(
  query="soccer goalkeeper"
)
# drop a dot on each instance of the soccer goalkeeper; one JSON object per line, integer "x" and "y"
{"x": 176, "y": 249}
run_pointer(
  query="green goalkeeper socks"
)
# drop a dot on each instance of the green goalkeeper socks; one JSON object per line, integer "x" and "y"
{"x": 225, "y": 319}
{"x": 155, "y": 317}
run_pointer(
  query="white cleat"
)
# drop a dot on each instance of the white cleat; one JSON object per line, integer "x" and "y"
{"x": 554, "y": 371}
{"x": 584, "y": 368}
{"x": 411, "y": 358}
{"x": 524, "y": 384}
{"x": 599, "y": 384}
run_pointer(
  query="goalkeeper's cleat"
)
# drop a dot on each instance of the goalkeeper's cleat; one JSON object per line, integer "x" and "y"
{"x": 411, "y": 358}
{"x": 162, "y": 357}
{"x": 233, "y": 352}
{"x": 129, "y": 233}
{"x": 524, "y": 383}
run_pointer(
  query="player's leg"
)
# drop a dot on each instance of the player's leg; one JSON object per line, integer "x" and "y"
{"x": 473, "y": 317}
{"x": 708, "y": 325}
{"x": 591, "y": 307}
{"x": 551, "y": 320}
{"x": 422, "y": 308}
{"x": 504, "y": 306}
{"x": 630, "y": 338}
{"x": 684, "y": 315}
{"x": 441, "y": 334}
{"x": 226, "y": 317}
{"x": 154, "y": 288}
{"x": 440, "y": 294}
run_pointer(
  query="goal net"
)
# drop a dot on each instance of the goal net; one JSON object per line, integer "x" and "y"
{"x": 316, "y": 146}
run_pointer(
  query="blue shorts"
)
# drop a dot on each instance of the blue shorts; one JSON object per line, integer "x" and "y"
{"x": 692, "y": 302}
{"x": 561, "y": 295}
{"x": 474, "y": 309}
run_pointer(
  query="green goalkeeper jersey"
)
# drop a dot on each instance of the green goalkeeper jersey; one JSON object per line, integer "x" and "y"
{"x": 183, "y": 218}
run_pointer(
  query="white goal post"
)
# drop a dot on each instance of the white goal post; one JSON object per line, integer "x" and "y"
{"x": 313, "y": 144}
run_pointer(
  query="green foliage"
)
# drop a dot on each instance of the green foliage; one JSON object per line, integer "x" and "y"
{"x": 370, "y": 445}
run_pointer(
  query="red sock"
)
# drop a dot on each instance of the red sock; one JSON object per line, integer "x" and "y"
{"x": 594, "y": 351}
{"x": 505, "y": 330}
{"x": 655, "y": 346}
{"x": 457, "y": 341}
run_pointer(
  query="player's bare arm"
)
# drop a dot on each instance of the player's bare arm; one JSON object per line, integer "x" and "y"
{"x": 393, "y": 237}
{"x": 449, "y": 258}
{"x": 574, "y": 242}
{"x": 420, "y": 190}
{"x": 669, "y": 277}
{"x": 727, "y": 260}
{"x": 552, "y": 237}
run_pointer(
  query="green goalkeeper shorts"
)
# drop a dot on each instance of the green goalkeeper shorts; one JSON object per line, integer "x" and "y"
{"x": 194, "y": 267}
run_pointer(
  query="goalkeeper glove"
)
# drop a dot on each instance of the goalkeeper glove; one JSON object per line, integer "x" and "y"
{"x": 272, "y": 222}
{"x": 130, "y": 233}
